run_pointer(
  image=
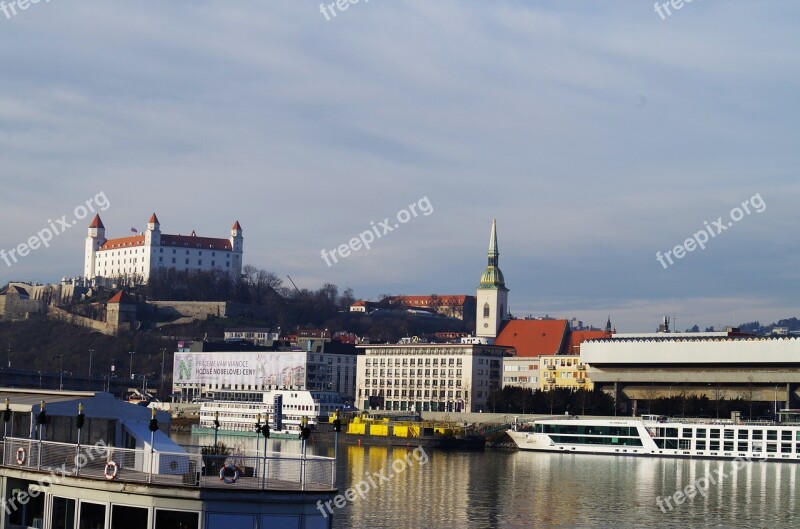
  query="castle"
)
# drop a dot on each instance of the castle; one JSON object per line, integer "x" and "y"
{"x": 137, "y": 256}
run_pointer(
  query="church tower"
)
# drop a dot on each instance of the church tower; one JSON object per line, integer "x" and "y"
{"x": 492, "y": 294}
{"x": 95, "y": 239}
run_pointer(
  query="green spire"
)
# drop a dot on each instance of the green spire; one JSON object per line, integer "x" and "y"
{"x": 492, "y": 277}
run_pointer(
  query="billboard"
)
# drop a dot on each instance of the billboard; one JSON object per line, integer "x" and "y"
{"x": 242, "y": 369}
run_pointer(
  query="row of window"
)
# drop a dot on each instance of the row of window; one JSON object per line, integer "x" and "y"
{"x": 415, "y": 372}
{"x": 382, "y": 362}
{"x": 68, "y": 513}
{"x": 161, "y": 250}
{"x": 419, "y": 393}
{"x": 728, "y": 433}
{"x": 428, "y": 383}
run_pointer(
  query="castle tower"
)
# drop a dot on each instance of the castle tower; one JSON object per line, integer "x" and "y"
{"x": 95, "y": 239}
{"x": 237, "y": 247}
{"x": 492, "y": 293}
{"x": 152, "y": 237}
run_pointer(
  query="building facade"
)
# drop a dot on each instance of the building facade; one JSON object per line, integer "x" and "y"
{"x": 428, "y": 377}
{"x": 718, "y": 365}
{"x": 198, "y": 374}
{"x": 563, "y": 371}
{"x": 137, "y": 256}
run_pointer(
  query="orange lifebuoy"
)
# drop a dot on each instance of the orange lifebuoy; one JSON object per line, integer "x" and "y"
{"x": 230, "y": 468}
{"x": 111, "y": 470}
{"x": 21, "y": 456}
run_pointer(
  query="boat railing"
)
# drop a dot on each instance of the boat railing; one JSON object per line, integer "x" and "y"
{"x": 247, "y": 471}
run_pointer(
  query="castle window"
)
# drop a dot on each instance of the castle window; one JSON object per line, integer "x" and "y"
{"x": 486, "y": 310}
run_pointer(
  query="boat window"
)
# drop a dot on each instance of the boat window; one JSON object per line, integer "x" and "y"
{"x": 742, "y": 434}
{"x": 786, "y": 435}
{"x": 227, "y": 521}
{"x": 33, "y": 514}
{"x": 772, "y": 435}
{"x": 701, "y": 432}
{"x": 93, "y": 516}
{"x": 63, "y": 513}
{"x": 728, "y": 434}
{"x": 283, "y": 522}
{"x": 178, "y": 519}
{"x": 701, "y": 445}
{"x": 759, "y": 434}
{"x": 125, "y": 517}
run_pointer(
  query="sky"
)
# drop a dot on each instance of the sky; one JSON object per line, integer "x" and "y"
{"x": 596, "y": 133}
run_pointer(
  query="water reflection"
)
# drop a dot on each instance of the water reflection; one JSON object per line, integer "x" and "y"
{"x": 536, "y": 490}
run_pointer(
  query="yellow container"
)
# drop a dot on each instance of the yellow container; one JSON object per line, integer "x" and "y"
{"x": 357, "y": 428}
{"x": 379, "y": 429}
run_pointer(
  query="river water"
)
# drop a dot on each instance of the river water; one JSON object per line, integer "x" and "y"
{"x": 398, "y": 487}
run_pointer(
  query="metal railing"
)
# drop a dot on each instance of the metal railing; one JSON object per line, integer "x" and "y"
{"x": 247, "y": 470}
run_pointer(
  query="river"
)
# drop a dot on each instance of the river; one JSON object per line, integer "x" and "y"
{"x": 411, "y": 488}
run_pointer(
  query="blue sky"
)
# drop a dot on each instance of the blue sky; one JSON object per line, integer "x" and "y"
{"x": 596, "y": 133}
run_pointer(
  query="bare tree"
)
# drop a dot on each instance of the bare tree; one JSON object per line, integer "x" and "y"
{"x": 749, "y": 394}
{"x": 718, "y": 393}
{"x": 650, "y": 393}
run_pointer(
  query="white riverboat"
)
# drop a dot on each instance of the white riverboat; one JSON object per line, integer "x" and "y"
{"x": 120, "y": 470}
{"x": 238, "y": 412}
{"x": 655, "y": 435}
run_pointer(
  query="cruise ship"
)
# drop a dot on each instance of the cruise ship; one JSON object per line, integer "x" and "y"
{"x": 238, "y": 412}
{"x": 86, "y": 460}
{"x": 656, "y": 435}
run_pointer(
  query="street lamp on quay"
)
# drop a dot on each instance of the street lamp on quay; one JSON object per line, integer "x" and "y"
{"x": 61, "y": 373}
{"x": 131, "y": 363}
{"x": 90, "y": 361}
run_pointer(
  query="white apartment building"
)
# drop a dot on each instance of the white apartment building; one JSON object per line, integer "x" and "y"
{"x": 137, "y": 256}
{"x": 428, "y": 377}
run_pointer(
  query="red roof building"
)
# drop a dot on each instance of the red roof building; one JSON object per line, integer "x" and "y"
{"x": 535, "y": 337}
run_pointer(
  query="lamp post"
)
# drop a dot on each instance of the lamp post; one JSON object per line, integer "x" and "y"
{"x": 305, "y": 433}
{"x": 90, "y": 361}
{"x": 61, "y": 373}
{"x": 6, "y": 417}
{"x": 216, "y": 428}
{"x": 163, "y": 352}
{"x": 79, "y": 421}
{"x": 41, "y": 420}
{"x": 131, "y": 363}
{"x": 153, "y": 426}
{"x": 775, "y": 408}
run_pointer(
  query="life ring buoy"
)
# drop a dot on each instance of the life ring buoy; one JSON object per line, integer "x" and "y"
{"x": 111, "y": 470}
{"x": 230, "y": 468}
{"x": 21, "y": 456}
